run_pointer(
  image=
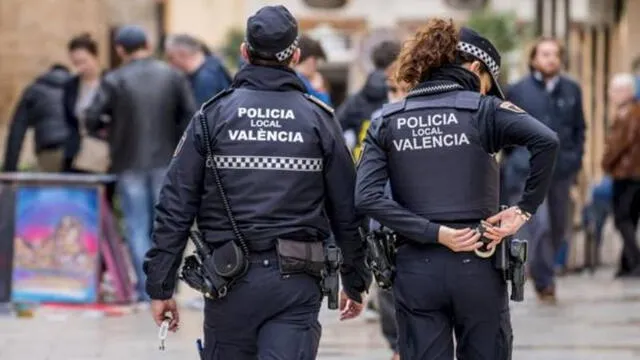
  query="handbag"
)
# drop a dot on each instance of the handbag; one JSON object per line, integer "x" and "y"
{"x": 93, "y": 156}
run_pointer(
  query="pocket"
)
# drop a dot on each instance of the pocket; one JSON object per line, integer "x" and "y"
{"x": 471, "y": 265}
{"x": 300, "y": 257}
{"x": 310, "y": 340}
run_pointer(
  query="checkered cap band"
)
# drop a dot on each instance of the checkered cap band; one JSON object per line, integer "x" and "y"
{"x": 269, "y": 163}
{"x": 286, "y": 53}
{"x": 482, "y": 55}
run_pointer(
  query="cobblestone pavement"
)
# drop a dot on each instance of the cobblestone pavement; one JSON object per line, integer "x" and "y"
{"x": 597, "y": 318}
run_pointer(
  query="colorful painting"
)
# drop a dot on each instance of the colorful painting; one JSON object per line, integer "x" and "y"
{"x": 56, "y": 245}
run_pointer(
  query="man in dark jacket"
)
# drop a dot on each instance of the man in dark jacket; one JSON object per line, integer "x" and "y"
{"x": 41, "y": 108}
{"x": 206, "y": 72}
{"x": 354, "y": 114}
{"x": 149, "y": 104}
{"x": 555, "y": 100}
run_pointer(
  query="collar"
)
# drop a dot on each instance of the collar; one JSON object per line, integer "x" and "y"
{"x": 269, "y": 78}
{"x": 549, "y": 85}
{"x": 433, "y": 87}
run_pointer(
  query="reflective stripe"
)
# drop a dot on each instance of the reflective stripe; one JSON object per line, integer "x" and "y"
{"x": 269, "y": 163}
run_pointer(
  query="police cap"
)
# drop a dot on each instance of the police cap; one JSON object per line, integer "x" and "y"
{"x": 482, "y": 49}
{"x": 272, "y": 33}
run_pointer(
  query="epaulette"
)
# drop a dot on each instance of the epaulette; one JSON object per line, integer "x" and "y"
{"x": 320, "y": 103}
{"x": 394, "y": 107}
{"x": 215, "y": 98}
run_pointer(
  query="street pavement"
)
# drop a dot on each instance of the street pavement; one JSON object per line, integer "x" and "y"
{"x": 597, "y": 318}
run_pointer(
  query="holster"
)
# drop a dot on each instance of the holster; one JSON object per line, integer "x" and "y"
{"x": 510, "y": 258}
{"x": 213, "y": 273}
{"x": 381, "y": 259}
{"x": 320, "y": 260}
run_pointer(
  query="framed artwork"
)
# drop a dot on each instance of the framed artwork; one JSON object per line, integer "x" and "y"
{"x": 56, "y": 244}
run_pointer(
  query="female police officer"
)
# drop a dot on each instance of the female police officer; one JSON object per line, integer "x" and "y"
{"x": 436, "y": 148}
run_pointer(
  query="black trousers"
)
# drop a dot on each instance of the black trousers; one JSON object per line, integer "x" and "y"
{"x": 439, "y": 293}
{"x": 626, "y": 212}
{"x": 388, "y": 323}
{"x": 265, "y": 316}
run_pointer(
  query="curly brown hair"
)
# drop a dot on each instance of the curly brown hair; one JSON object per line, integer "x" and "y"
{"x": 433, "y": 46}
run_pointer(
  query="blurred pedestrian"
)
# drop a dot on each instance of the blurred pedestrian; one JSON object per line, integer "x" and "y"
{"x": 621, "y": 160}
{"x": 40, "y": 107}
{"x": 556, "y": 100}
{"x": 355, "y": 113}
{"x": 312, "y": 54}
{"x": 149, "y": 104}
{"x": 85, "y": 152}
{"x": 205, "y": 71}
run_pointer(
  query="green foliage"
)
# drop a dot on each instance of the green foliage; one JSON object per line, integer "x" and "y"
{"x": 231, "y": 50}
{"x": 499, "y": 27}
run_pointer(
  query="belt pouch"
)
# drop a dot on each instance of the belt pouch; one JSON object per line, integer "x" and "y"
{"x": 300, "y": 257}
{"x": 227, "y": 261}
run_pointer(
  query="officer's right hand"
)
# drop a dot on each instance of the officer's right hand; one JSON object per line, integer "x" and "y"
{"x": 160, "y": 309}
{"x": 349, "y": 308}
{"x": 459, "y": 240}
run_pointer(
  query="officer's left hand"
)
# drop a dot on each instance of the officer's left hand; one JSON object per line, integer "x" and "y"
{"x": 493, "y": 233}
{"x": 349, "y": 309}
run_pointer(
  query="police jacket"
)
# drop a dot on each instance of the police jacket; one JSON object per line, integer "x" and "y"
{"x": 285, "y": 169}
{"x": 436, "y": 148}
{"x": 41, "y": 108}
{"x": 149, "y": 104}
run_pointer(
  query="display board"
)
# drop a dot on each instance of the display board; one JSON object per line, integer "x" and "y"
{"x": 56, "y": 230}
{"x": 55, "y": 245}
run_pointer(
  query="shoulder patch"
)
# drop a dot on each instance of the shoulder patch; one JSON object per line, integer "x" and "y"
{"x": 509, "y": 106}
{"x": 216, "y": 97}
{"x": 320, "y": 103}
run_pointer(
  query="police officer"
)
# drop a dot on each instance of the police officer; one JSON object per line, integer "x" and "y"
{"x": 287, "y": 175}
{"x": 436, "y": 148}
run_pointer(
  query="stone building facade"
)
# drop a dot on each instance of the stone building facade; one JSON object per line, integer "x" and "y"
{"x": 34, "y": 34}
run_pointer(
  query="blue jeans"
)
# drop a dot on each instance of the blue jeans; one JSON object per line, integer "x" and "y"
{"x": 138, "y": 193}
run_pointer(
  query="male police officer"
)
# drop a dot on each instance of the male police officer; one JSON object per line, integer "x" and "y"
{"x": 288, "y": 176}
{"x": 436, "y": 148}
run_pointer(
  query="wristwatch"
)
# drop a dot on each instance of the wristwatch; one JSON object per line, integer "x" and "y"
{"x": 524, "y": 214}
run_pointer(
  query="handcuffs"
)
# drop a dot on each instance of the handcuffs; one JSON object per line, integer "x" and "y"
{"x": 485, "y": 253}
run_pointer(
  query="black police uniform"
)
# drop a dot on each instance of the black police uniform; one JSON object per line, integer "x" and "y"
{"x": 436, "y": 148}
{"x": 287, "y": 174}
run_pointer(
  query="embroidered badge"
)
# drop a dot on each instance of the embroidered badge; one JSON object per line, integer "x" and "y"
{"x": 507, "y": 105}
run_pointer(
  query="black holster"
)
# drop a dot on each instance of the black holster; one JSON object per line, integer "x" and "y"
{"x": 214, "y": 272}
{"x": 321, "y": 260}
{"x": 510, "y": 258}
{"x": 381, "y": 256}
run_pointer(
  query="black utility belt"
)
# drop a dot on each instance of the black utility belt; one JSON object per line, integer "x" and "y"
{"x": 215, "y": 272}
